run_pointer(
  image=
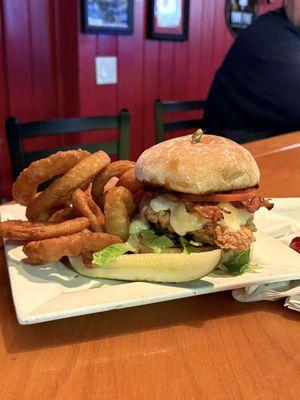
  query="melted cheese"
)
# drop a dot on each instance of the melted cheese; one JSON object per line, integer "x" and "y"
{"x": 235, "y": 218}
{"x": 183, "y": 221}
{"x": 180, "y": 220}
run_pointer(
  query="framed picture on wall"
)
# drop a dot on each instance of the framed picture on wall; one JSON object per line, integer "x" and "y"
{"x": 107, "y": 16}
{"x": 168, "y": 19}
{"x": 240, "y": 14}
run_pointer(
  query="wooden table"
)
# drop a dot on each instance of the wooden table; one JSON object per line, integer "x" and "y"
{"x": 206, "y": 347}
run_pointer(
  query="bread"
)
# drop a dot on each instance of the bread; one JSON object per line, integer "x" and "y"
{"x": 215, "y": 164}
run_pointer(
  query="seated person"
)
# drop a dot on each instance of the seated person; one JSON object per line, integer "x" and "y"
{"x": 256, "y": 92}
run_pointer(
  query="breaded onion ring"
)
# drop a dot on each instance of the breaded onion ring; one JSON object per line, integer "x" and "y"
{"x": 119, "y": 206}
{"x": 84, "y": 203}
{"x": 25, "y": 188}
{"x": 62, "y": 215}
{"x": 138, "y": 196}
{"x": 115, "y": 169}
{"x": 64, "y": 186}
{"x": 24, "y": 230}
{"x": 51, "y": 250}
{"x": 129, "y": 180}
{"x": 87, "y": 259}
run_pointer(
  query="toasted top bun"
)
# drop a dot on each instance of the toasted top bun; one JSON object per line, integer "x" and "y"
{"x": 215, "y": 164}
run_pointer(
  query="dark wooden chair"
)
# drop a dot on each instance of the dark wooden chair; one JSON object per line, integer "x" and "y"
{"x": 162, "y": 127}
{"x": 16, "y": 132}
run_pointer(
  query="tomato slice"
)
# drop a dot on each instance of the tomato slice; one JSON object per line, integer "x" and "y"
{"x": 234, "y": 195}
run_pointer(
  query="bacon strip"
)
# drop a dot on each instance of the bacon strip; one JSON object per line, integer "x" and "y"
{"x": 254, "y": 204}
{"x": 210, "y": 212}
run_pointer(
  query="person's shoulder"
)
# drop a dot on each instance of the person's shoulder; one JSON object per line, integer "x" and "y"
{"x": 277, "y": 15}
{"x": 275, "y": 20}
{"x": 267, "y": 30}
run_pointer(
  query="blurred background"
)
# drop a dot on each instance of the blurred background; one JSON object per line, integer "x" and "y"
{"x": 47, "y": 67}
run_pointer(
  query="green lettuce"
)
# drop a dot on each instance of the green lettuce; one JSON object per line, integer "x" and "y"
{"x": 240, "y": 263}
{"x": 137, "y": 225}
{"x": 188, "y": 247}
{"x": 155, "y": 242}
{"x": 112, "y": 252}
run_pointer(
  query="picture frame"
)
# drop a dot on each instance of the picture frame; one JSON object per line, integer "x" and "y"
{"x": 107, "y": 17}
{"x": 168, "y": 19}
{"x": 239, "y": 14}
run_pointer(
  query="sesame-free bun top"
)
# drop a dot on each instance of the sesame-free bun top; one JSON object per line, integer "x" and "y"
{"x": 215, "y": 164}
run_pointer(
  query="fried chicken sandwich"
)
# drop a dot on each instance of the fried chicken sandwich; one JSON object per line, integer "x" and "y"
{"x": 200, "y": 196}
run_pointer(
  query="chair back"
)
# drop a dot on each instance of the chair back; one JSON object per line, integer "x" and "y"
{"x": 16, "y": 132}
{"x": 162, "y": 127}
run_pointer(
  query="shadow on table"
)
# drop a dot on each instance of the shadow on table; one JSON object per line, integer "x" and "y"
{"x": 191, "y": 312}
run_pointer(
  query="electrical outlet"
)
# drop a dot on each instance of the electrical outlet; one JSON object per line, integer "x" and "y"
{"x": 106, "y": 70}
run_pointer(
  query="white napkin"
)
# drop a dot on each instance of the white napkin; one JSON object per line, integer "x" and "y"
{"x": 284, "y": 226}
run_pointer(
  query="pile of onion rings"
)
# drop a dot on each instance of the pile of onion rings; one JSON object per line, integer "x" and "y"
{"x": 85, "y": 209}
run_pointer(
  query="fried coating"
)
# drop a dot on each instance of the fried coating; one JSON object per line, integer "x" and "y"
{"x": 115, "y": 169}
{"x": 25, "y": 188}
{"x": 110, "y": 184}
{"x": 129, "y": 180}
{"x": 119, "y": 207}
{"x": 25, "y": 230}
{"x": 161, "y": 218}
{"x": 84, "y": 203}
{"x": 87, "y": 259}
{"x": 211, "y": 232}
{"x": 215, "y": 234}
{"x": 52, "y": 250}
{"x": 64, "y": 186}
{"x": 61, "y": 215}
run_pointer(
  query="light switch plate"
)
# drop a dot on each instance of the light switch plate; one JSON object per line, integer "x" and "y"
{"x": 106, "y": 70}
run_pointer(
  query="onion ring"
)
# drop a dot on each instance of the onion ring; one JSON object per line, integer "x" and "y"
{"x": 25, "y": 230}
{"x": 64, "y": 186}
{"x": 84, "y": 203}
{"x": 25, "y": 188}
{"x": 62, "y": 215}
{"x": 129, "y": 180}
{"x": 87, "y": 259}
{"x": 52, "y": 250}
{"x": 115, "y": 169}
{"x": 119, "y": 206}
{"x": 138, "y": 196}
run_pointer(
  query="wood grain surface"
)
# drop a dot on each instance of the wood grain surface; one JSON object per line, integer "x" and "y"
{"x": 206, "y": 347}
{"x": 278, "y": 159}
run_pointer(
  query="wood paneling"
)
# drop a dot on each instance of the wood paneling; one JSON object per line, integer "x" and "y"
{"x": 5, "y": 169}
{"x": 51, "y": 66}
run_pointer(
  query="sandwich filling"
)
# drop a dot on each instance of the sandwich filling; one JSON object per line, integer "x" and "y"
{"x": 227, "y": 225}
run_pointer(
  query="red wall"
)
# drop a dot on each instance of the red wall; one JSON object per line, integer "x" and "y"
{"x": 47, "y": 66}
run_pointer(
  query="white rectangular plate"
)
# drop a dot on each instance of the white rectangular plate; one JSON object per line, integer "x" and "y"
{"x": 45, "y": 293}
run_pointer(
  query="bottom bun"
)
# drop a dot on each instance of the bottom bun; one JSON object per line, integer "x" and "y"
{"x": 171, "y": 268}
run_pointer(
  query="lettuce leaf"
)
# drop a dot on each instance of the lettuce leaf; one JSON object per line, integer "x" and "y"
{"x": 137, "y": 225}
{"x": 188, "y": 248}
{"x": 239, "y": 263}
{"x": 112, "y": 252}
{"x": 155, "y": 242}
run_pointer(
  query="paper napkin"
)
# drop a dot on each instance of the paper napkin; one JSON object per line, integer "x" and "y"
{"x": 284, "y": 226}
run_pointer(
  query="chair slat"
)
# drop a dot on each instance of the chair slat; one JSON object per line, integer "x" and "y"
{"x": 178, "y": 125}
{"x": 108, "y": 147}
{"x": 173, "y": 106}
{"x": 16, "y": 132}
{"x": 161, "y": 107}
{"x": 69, "y": 125}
